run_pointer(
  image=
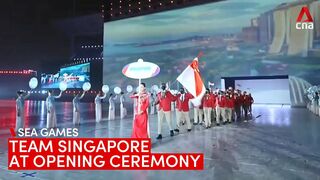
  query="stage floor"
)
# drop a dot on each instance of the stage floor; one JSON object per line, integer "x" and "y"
{"x": 279, "y": 143}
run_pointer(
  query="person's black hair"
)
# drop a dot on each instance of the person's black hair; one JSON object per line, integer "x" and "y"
{"x": 144, "y": 84}
{"x": 19, "y": 92}
{"x": 163, "y": 86}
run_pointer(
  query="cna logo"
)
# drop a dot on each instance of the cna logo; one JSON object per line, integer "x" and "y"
{"x": 306, "y": 24}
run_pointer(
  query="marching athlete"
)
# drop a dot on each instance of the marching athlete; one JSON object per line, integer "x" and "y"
{"x": 183, "y": 108}
{"x": 207, "y": 107}
{"x": 220, "y": 108}
{"x": 164, "y": 99}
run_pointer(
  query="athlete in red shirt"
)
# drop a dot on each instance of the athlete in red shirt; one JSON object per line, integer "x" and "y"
{"x": 237, "y": 106}
{"x": 251, "y": 102}
{"x": 245, "y": 104}
{"x": 183, "y": 108}
{"x": 220, "y": 107}
{"x": 229, "y": 107}
{"x": 164, "y": 99}
{"x": 207, "y": 101}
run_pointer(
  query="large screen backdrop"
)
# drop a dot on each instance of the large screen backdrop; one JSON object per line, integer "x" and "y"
{"x": 238, "y": 38}
{"x": 75, "y": 76}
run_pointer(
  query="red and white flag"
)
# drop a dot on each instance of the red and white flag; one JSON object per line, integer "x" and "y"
{"x": 190, "y": 78}
{"x": 210, "y": 83}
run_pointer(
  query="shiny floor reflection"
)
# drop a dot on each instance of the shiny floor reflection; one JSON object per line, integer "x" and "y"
{"x": 279, "y": 143}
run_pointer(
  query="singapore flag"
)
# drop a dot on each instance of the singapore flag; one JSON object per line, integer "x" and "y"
{"x": 190, "y": 78}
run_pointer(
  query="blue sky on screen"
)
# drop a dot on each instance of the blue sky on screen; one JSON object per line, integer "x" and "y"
{"x": 208, "y": 19}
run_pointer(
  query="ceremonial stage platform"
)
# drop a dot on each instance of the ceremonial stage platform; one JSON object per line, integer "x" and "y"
{"x": 280, "y": 142}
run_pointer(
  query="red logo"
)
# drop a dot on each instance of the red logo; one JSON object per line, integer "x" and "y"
{"x": 12, "y": 132}
{"x": 306, "y": 24}
{"x": 304, "y": 11}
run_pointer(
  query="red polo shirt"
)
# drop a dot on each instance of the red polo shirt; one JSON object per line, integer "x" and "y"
{"x": 184, "y": 105}
{"x": 214, "y": 101}
{"x": 251, "y": 100}
{"x": 246, "y": 100}
{"x": 229, "y": 102}
{"x": 207, "y": 100}
{"x": 221, "y": 102}
{"x": 237, "y": 101}
{"x": 165, "y": 102}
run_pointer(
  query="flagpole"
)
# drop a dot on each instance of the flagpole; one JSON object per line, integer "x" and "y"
{"x": 139, "y": 95}
{"x": 171, "y": 84}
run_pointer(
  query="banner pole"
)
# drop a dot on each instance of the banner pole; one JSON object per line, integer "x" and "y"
{"x": 139, "y": 96}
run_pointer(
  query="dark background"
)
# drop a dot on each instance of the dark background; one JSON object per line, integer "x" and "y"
{"x": 32, "y": 34}
{"x": 44, "y": 35}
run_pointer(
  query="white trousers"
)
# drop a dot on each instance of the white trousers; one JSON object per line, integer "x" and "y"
{"x": 198, "y": 115}
{"x": 52, "y": 118}
{"x": 184, "y": 116}
{"x": 98, "y": 112}
{"x": 152, "y": 109}
{"x": 161, "y": 115}
{"x": 223, "y": 114}
{"x": 123, "y": 111}
{"x": 207, "y": 115}
{"x": 177, "y": 117}
{"x": 76, "y": 117}
{"x": 220, "y": 113}
{"x": 19, "y": 121}
{"x": 228, "y": 114}
{"x": 213, "y": 114}
{"x": 111, "y": 115}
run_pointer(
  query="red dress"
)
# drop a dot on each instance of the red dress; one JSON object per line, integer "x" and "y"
{"x": 140, "y": 127}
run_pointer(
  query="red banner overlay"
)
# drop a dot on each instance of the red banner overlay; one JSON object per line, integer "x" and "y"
{"x": 95, "y": 154}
